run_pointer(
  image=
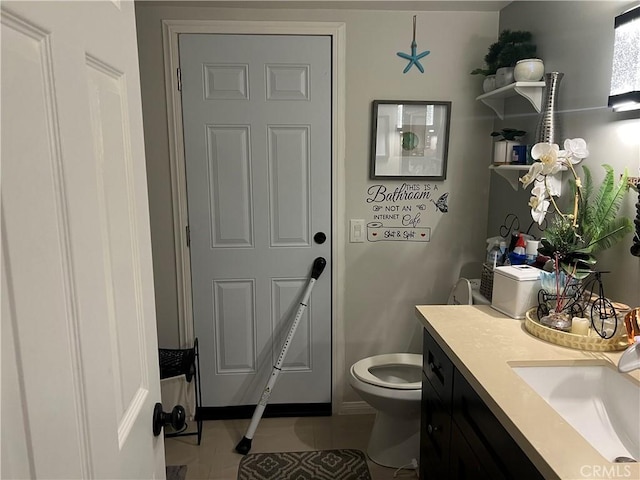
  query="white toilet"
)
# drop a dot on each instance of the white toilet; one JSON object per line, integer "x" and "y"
{"x": 392, "y": 385}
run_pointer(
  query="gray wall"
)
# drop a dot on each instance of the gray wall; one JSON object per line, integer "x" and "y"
{"x": 384, "y": 280}
{"x": 576, "y": 38}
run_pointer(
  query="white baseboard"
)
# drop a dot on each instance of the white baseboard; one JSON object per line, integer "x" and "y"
{"x": 356, "y": 408}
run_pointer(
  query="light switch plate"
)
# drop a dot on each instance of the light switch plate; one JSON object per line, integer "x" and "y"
{"x": 356, "y": 230}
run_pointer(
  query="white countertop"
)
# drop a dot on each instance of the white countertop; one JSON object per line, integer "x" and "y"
{"x": 484, "y": 344}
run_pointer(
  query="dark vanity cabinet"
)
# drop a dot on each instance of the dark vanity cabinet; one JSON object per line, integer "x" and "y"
{"x": 460, "y": 438}
{"x": 435, "y": 419}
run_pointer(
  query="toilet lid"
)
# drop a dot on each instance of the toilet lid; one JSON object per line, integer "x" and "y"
{"x": 461, "y": 293}
{"x": 362, "y": 370}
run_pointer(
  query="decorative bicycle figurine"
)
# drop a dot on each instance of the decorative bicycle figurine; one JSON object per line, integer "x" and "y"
{"x": 601, "y": 308}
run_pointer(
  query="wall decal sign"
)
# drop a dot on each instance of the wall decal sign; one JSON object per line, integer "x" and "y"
{"x": 441, "y": 203}
{"x": 399, "y": 212}
{"x": 377, "y": 232}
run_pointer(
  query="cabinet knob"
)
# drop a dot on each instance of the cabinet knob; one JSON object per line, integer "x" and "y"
{"x": 432, "y": 429}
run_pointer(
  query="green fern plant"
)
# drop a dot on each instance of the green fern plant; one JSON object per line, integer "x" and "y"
{"x": 597, "y": 225}
{"x": 598, "y": 218}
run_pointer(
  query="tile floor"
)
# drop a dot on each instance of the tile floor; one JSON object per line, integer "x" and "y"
{"x": 215, "y": 458}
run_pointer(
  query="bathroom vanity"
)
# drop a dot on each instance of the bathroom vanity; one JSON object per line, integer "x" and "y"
{"x": 480, "y": 419}
{"x": 459, "y": 436}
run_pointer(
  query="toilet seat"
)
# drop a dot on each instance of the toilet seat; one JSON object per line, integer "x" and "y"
{"x": 361, "y": 369}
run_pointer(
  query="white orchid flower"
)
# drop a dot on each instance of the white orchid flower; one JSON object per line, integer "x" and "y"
{"x": 552, "y": 186}
{"x": 547, "y": 153}
{"x": 545, "y": 185}
{"x": 534, "y": 201}
{"x": 539, "y": 189}
{"x": 540, "y": 210}
{"x": 539, "y": 202}
{"x": 534, "y": 170}
{"x": 575, "y": 150}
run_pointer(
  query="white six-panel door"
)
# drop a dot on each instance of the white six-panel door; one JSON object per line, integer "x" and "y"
{"x": 79, "y": 350}
{"x": 257, "y": 134}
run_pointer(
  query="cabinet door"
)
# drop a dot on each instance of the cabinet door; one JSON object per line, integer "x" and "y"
{"x": 498, "y": 453}
{"x": 465, "y": 465}
{"x": 435, "y": 432}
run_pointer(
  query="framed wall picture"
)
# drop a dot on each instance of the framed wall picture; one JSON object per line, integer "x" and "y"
{"x": 409, "y": 139}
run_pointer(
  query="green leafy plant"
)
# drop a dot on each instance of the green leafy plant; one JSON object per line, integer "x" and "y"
{"x": 594, "y": 226}
{"x": 510, "y": 134}
{"x": 510, "y": 47}
{"x": 598, "y": 213}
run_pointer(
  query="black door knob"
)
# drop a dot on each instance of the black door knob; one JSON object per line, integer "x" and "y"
{"x": 320, "y": 238}
{"x": 176, "y": 418}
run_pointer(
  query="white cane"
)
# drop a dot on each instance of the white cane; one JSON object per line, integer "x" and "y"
{"x": 244, "y": 445}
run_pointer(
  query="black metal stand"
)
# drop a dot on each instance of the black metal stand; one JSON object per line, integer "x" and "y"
{"x": 176, "y": 362}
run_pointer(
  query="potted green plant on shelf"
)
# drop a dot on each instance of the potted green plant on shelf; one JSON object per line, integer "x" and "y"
{"x": 506, "y": 138}
{"x": 500, "y": 60}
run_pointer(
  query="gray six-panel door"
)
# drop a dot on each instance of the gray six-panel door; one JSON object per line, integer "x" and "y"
{"x": 257, "y": 132}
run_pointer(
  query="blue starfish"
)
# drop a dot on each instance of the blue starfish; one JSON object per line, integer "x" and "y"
{"x": 414, "y": 59}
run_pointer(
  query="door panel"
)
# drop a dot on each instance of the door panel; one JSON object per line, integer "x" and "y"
{"x": 235, "y": 319}
{"x": 257, "y": 132}
{"x": 107, "y": 94}
{"x": 229, "y": 186}
{"x": 79, "y": 348}
{"x": 289, "y": 185}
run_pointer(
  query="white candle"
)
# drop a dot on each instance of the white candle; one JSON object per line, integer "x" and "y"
{"x": 580, "y": 326}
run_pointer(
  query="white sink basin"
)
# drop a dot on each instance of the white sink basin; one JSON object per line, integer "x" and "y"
{"x": 602, "y": 404}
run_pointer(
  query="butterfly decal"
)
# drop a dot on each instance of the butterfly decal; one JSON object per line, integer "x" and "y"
{"x": 441, "y": 203}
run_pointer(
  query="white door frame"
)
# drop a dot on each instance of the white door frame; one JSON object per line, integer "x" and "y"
{"x": 170, "y": 31}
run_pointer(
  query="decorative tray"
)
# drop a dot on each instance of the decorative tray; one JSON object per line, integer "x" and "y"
{"x": 592, "y": 342}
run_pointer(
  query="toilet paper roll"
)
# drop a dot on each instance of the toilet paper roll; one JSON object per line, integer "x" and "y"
{"x": 532, "y": 247}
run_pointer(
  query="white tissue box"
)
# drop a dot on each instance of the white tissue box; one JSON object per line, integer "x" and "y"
{"x": 515, "y": 289}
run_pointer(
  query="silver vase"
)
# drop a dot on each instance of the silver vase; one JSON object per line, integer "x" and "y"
{"x": 548, "y": 129}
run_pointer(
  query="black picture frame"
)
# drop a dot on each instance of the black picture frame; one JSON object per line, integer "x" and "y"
{"x": 409, "y": 139}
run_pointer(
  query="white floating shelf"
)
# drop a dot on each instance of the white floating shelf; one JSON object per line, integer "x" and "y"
{"x": 532, "y": 91}
{"x": 512, "y": 174}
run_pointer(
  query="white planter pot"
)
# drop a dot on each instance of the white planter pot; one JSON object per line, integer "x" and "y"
{"x": 504, "y": 76}
{"x": 503, "y": 151}
{"x": 529, "y": 70}
{"x": 489, "y": 83}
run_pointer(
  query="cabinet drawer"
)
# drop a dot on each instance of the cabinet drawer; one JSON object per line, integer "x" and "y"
{"x": 437, "y": 367}
{"x": 499, "y": 454}
{"x": 435, "y": 433}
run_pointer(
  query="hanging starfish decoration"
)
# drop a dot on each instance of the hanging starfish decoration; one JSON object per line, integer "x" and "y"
{"x": 414, "y": 58}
